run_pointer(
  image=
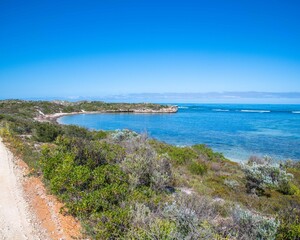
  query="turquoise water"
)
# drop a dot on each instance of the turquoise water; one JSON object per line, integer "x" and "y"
{"x": 238, "y": 131}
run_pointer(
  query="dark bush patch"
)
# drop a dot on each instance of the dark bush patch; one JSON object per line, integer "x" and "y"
{"x": 46, "y": 132}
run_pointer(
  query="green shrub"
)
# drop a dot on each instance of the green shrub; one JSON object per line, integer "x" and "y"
{"x": 197, "y": 168}
{"x": 261, "y": 176}
{"x": 289, "y": 216}
{"x": 121, "y": 135}
{"x": 97, "y": 135}
{"x": 51, "y": 158}
{"x": 145, "y": 195}
{"x": 110, "y": 224}
{"x": 183, "y": 218}
{"x": 157, "y": 229}
{"x": 249, "y": 225}
{"x": 288, "y": 232}
{"x": 60, "y": 181}
{"x": 107, "y": 174}
{"x": 146, "y": 168}
{"x": 207, "y": 153}
{"x": 286, "y": 187}
{"x": 94, "y": 195}
{"x": 231, "y": 183}
{"x": 92, "y": 153}
{"x": 46, "y": 132}
{"x": 76, "y": 132}
{"x": 19, "y": 126}
{"x": 181, "y": 155}
{"x": 192, "y": 217}
{"x": 292, "y": 164}
{"x": 178, "y": 155}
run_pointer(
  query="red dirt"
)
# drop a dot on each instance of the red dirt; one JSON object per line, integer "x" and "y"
{"x": 47, "y": 209}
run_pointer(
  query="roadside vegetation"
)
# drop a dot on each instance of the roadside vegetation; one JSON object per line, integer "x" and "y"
{"x": 124, "y": 185}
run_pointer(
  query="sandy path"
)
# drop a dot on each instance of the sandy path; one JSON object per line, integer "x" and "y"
{"x": 16, "y": 221}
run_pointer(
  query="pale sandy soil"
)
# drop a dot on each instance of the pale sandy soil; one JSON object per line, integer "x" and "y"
{"x": 27, "y": 211}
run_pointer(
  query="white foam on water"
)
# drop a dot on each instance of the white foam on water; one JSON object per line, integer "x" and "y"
{"x": 220, "y": 110}
{"x": 256, "y": 111}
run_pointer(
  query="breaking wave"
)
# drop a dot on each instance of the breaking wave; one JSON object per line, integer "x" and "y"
{"x": 255, "y": 111}
{"x": 220, "y": 110}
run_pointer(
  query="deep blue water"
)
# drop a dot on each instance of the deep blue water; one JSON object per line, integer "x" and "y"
{"x": 238, "y": 131}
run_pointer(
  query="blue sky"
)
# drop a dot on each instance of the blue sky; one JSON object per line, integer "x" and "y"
{"x": 97, "y": 48}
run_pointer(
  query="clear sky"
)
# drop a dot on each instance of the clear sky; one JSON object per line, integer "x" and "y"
{"x": 93, "y": 48}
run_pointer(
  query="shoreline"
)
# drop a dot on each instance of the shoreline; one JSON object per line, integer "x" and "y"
{"x": 56, "y": 119}
{"x": 55, "y": 116}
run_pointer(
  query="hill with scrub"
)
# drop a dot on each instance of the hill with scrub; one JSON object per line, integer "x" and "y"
{"x": 125, "y": 185}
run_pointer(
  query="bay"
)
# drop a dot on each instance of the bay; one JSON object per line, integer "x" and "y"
{"x": 236, "y": 130}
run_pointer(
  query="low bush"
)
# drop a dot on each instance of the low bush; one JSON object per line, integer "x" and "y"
{"x": 92, "y": 152}
{"x": 185, "y": 217}
{"x": 178, "y": 155}
{"x": 146, "y": 168}
{"x": 97, "y": 135}
{"x": 46, "y": 132}
{"x": 292, "y": 164}
{"x": 109, "y": 224}
{"x": 289, "y": 228}
{"x": 249, "y": 225}
{"x": 231, "y": 183}
{"x": 94, "y": 195}
{"x": 77, "y": 132}
{"x": 266, "y": 175}
{"x": 193, "y": 217}
{"x": 149, "y": 225}
{"x": 121, "y": 135}
{"x": 197, "y": 168}
{"x": 207, "y": 153}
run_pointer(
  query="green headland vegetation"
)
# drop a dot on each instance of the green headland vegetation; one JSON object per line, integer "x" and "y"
{"x": 124, "y": 185}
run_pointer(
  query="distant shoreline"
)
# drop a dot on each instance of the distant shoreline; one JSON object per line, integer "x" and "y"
{"x": 54, "y": 117}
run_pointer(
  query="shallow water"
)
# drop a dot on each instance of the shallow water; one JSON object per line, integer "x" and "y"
{"x": 238, "y": 131}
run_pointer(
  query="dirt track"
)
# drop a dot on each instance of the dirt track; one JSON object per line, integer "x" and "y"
{"x": 16, "y": 221}
{"x": 27, "y": 211}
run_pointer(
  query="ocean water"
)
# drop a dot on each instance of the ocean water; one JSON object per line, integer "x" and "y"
{"x": 238, "y": 131}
